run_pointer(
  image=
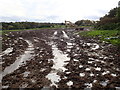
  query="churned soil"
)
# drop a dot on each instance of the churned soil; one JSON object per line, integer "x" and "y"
{"x": 92, "y": 63}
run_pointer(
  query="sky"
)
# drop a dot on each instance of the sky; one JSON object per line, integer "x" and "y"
{"x": 54, "y": 10}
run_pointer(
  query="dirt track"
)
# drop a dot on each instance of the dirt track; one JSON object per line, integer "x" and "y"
{"x": 58, "y": 58}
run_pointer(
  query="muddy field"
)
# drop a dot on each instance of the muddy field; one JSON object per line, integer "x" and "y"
{"x": 58, "y": 58}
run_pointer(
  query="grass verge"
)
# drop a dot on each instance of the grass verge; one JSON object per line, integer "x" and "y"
{"x": 111, "y": 36}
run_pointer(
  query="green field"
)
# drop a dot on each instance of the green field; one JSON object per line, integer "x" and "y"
{"x": 111, "y": 36}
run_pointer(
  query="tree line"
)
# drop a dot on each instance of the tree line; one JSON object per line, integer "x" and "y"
{"x": 25, "y": 25}
{"x": 110, "y": 21}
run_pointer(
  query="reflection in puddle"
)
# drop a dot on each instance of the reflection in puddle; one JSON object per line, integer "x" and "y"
{"x": 89, "y": 85}
{"x": 55, "y": 33}
{"x": 25, "y": 74}
{"x": 82, "y": 74}
{"x": 114, "y": 75}
{"x": 80, "y": 66}
{"x": 65, "y": 35}
{"x": 54, "y": 78}
{"x": 59, "y": 62}
{"x": 104, "y": 83}
{"x": 26, "y": 56}
{"x": 98, "y": 68}
{"x": 105, "y": 72}
{"x": 87, "y": 69}
{"x": 70, "y": 83}
{"x": 7, "y": 51}
{"x": 95, "y": 46}
{"x": 59, "y": 59}
{"x": 91, "y": 74}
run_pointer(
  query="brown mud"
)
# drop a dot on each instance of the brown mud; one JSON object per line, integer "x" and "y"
{"x": 58, "y": 58}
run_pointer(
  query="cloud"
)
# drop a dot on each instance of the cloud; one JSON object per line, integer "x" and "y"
{"x": 30, "y": 19}
{"x": 54, "y": 10}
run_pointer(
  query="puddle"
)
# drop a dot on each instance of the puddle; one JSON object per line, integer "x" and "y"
{"x": 112, "y": 37}
{"x": 98, "y": 69}
{"x": 91, "y": 74}
{"x": 5, "y": 86}
{"x": 82, "y": 74}
{"x": 104, "y": 83}
{"x": 88, "y": 44}
{"x": 7, "y": 51}
{"x": 59, "y": 62}
{"x": 91, "y": 59}
{"x": 54, "y": 78}
{"x": 80, "y": 66}
{"x": 43, "y": 69}
{"x": 33, "y": 81}
{"x": 22, "y": 58}
{"x": 117, "y": 88}
{"x": 65, "y": 35}
{"x": 59, "y": 59}
{"x": 55, "y": 33}
{"x": 70, "y": 83}
{"x": 105, "y": 72}
{"x": 69, "y": 45}
{"x": 87, "y": 69}
{"x": 25, "y": 74}
{"x": 95, "y": 46}
{"x": 114, "y": 75}
{"x": 36, "y": 40}
{"x": 90, "y": 62}
{"x": 68, "y": 72}
{"x": 94, "y": 81}
{"x": 75, "y": 60}
{"x": 89, "y": 85}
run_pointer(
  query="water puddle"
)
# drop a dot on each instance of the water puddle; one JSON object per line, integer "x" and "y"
{"x": 69, "y": 45}
{"x": 104, "y": 83}
{"x": 89, "y": 85}
{"x": 90, "y": 62}
{"x": 22, "y": 58}
{"x": 7, "y": 51}
{"x": 59, "y": 62}
{"x": 80, "y": 66}
{"x": 114, "y": 75}
{"x": 70, "y": 83}
{"x": 107, "y": 72}
{"x": 87, "y": 69}
{"x": 94, "y": 46}
{"x": 59, "y": 59}
{"x": 91, "y": 74}
{"x": 25, "y": 74}
{"x": 65, "y": 35}
{"x": 98, "y": 69}
{"x": 55, "y": 33}
{"x": 54, "y": 78}
{"x": 82, "y": 74}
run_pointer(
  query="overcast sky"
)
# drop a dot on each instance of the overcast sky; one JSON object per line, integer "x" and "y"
{"x": 54, "y": 10}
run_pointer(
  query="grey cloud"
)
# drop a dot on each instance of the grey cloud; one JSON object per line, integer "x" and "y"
{"x": 18, "y": 19}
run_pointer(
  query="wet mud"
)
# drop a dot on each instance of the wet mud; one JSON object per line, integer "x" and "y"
{"x": 58, "y": 58}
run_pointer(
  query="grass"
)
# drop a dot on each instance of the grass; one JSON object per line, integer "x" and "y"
{"x": 111, "y": 36}
{"x": 7, "y": 31}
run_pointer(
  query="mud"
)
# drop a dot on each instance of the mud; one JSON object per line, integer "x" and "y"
{"x": 58, "y": 58}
